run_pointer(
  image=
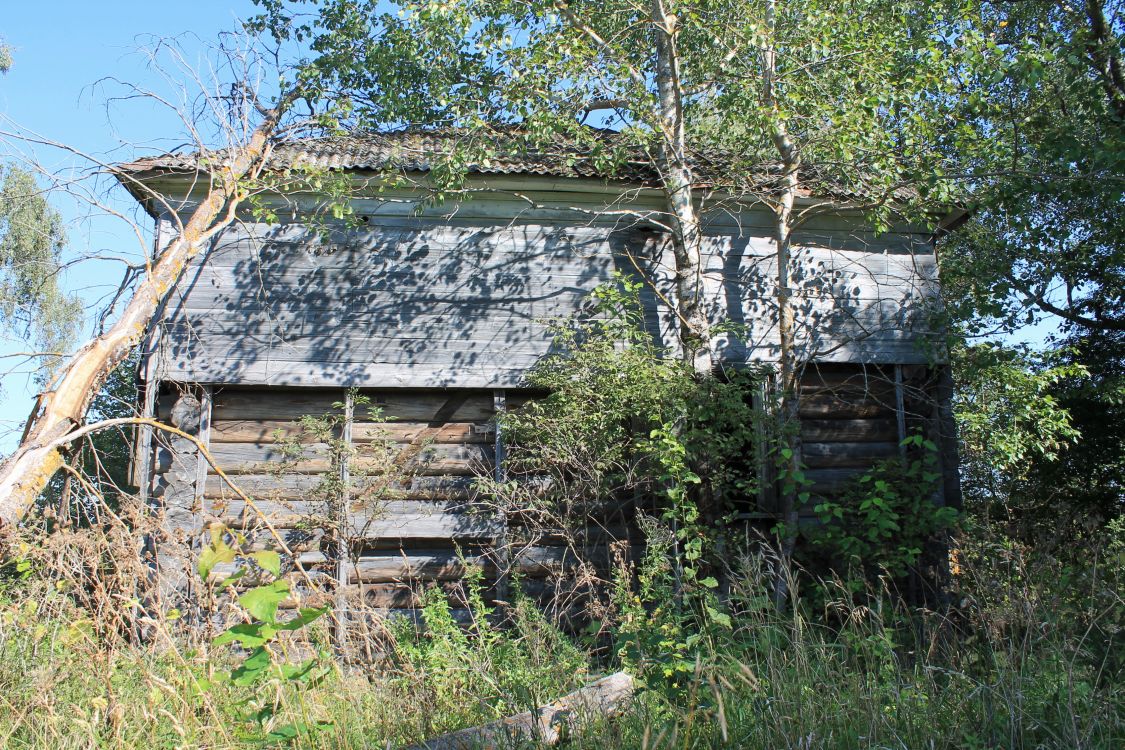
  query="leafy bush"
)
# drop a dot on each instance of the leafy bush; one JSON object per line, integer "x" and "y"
{"x": 626, "y": 419}
{"x": 884, "y": 518}
{"x": 470, "y": 673}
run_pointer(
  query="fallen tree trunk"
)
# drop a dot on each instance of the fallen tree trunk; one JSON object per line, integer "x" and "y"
{"x": 62, "y": 408}
{"x": 546, "y": 725}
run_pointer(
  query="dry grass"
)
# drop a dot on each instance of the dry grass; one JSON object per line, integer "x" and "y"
{"x": 1030, "y": 658}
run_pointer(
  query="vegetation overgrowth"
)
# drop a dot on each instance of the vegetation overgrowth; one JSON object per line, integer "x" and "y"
{"x": 1023, "y": 651}
{"x": 1026, "y": 659}
{"x": 1021, "y": 104}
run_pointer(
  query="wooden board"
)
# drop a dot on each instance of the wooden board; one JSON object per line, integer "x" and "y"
{"x": 264, "y": 430}
{"x": 844, "y": 406}
{"x": 446, "y": 305}
{"x": 840, "y": 455}
{"x": 418, "y": 564}
{"x": 849, "y": 430}
{"x": 287, "y": 404}
{"x": 831, "y": 481}
{"x": 438, "y": 458}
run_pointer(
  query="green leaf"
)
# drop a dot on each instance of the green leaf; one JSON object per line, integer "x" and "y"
{"x": 303, "y": 618}
{"x": 262, "y": 602}
{"x": 721, "y": 618}
{"x": 216, "y": 553}
{"x": 283, "y": 733}
{"x": 254, "y": 667}
{"x": 269, "y": 560}
{"x": 233, "y": 578}
{"x": 249, "y": 634}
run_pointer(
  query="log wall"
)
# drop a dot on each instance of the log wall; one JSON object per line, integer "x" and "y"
{"x": 376, "y": 499}
{"x": 406, "y": 518}
{"x": 854, "y": 416}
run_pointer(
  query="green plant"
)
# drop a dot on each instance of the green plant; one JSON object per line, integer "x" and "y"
{"x": 484, "y": 670}
{"x": 625, "y": 422}
{"x": 261, "y": 635}
{"x": 884, "y": 518}
{"x": 661, "y": 635}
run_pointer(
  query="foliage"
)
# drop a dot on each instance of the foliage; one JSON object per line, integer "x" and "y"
{"x": 101, "y": 462}
{"x": 857, "y": 78}
{"x": 1064, "y": 500}
{"x": 1040, "y": 123}
{"x": 883, "y": 520}
{"x": 487, "y": 671}
{"x": 1041, "y": 437}
{"x": 32, "y": 304}
{"x": 260, "y": 635}
{"x": 1006, "y": 414}
{"x": 657, "y": 637}
{"x": 1029, "y": 658}
{"x": 622, "y": 417}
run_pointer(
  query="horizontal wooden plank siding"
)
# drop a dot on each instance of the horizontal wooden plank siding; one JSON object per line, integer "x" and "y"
{"x": 441, "y": 303}
{"x": 850, "y": 420}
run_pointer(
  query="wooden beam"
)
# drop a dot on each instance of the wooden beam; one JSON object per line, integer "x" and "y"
{"x": 500, "y": 544}
{"x": 900, "y": 412}
{"x": 343, "y": 545}
{"x": 547, "y": 725}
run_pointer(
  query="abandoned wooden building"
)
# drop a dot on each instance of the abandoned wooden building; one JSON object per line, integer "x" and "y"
{"x": 412, "y": 323}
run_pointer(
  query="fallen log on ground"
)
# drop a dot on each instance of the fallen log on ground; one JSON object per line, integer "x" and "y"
{"x": 546, "y": 725}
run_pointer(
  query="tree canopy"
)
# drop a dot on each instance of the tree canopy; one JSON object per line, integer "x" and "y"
{"x": 32, "y": 238}
{"x": 1041, "y": 140}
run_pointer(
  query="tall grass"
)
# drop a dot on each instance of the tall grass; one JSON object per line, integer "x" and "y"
{"x": 1028, "y": 658}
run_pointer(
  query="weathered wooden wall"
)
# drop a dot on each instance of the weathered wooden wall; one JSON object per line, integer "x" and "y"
{"x": 855, "y": 416}
{"x": 382, "y": 505}
{"x": 409, "y": 517}
{"x": 437, "y": 312}
{"x": 464, "y": 300}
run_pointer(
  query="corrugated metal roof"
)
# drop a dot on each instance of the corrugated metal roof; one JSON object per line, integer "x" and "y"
{"x": 605, "y": 156}
{"x": 421, "y": 151}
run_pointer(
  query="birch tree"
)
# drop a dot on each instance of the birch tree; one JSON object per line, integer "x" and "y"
{"x": 229, "y": 119}
{"x": 779, "y": 91}
{"x": 842, "y": 100}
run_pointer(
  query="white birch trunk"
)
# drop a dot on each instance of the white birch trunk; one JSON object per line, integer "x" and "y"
{"x": 687, "y": 239}
{"x": 25, "y": 473}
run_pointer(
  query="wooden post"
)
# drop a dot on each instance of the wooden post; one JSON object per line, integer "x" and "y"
{"x": 199, "y": 510}
{"x": 205, "y": 401}
{"x": 767, "y": 490}
{"x": 900, "y": 411}
{"x": 343, "y": 551}
{"x": 947, "y": 439}
{"x": 142, "y": 475}
{"x": 500, "y": 544}
{"x": 178, "y": 495}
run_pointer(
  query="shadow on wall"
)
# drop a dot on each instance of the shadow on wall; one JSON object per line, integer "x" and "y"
{"x": 423, "y": 304}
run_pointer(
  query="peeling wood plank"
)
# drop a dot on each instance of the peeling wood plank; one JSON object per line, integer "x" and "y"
{"x": 265, "y": 430}
{"x": 438, "y": 458}
{"x": 879, "y": 430}
{"x": 240, "y": 403}
{"x": 839, "y": 455}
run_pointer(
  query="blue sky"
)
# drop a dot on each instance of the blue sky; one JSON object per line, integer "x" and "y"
{"x": 61, "y": 51}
